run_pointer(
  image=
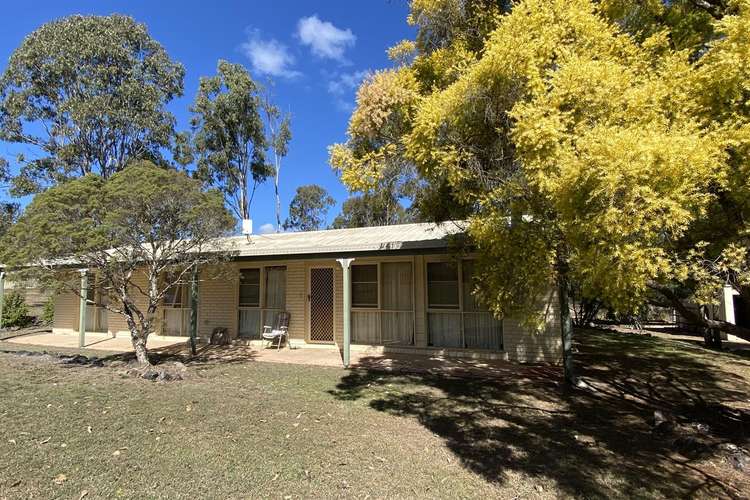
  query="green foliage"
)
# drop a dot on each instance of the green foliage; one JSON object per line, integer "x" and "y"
{"x": 574, "y": 145}
{"x": 8, "y": 215}
{"x": 48, "y": 313}
{"x": 689, "y": 23}
{"x": 144, "y": 222}
{"x": 372, "y": 161}
{"x": 90, "y": 93}
{"x": 144, "y": 208}
{"x": 308, "y": 209}
{"x": 229, "y": 135}
{"x": 15, "y": 310}
{"x": 378, "y": 209}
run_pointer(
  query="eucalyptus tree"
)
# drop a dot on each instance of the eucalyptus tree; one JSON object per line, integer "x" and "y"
{"x": 229, "y": 135}
{"x": 380, "y": 208}
{"x": 308, "y": 209}
{"x": 141, "y": 232}
{"x": 89, "y": 94}
{"x": 279, "y": 135}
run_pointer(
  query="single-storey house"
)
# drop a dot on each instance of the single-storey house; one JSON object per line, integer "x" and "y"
{"x": 408, "y": 293}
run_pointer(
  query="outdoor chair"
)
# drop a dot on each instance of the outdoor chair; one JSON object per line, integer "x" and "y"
{"x": 279, "y": 331}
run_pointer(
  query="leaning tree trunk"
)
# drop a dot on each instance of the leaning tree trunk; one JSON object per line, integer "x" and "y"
{"x": 701, "y": 319}
{"x": 566, "y": 322}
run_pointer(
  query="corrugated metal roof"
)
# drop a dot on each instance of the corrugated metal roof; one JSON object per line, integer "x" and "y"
{"x": 402, "y": 237}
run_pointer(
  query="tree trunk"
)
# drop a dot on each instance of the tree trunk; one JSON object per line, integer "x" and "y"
{"x": 139, "y": 346}
{"x": 566, "y": 322}
{"x": 276, "y": 189}
{"x": 244, "y": 211}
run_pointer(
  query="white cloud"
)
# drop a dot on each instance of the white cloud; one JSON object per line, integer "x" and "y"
{"x": 324, "y": 39}
{"x": 341, "y": 87}
{"x": 266, "y": 228}
{"x": 269, "y": 57}
{"x": 346, "y": 82}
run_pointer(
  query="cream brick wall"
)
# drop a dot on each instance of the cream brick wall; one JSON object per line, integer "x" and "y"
{"x": 529, "y": 345}
{"x": 67, "y": 307}
{"x": 219, "y": 297}
{"x": 218, "y": 289}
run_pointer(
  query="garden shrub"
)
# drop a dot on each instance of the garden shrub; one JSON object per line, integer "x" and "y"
{"x": 15, "y": 310}
{"x": 48, "y": 313}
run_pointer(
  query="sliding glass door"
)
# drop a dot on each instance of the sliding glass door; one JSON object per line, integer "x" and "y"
{"x": 262, "y": 295}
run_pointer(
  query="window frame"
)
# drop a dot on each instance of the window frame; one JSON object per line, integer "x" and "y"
{"x": 377, "y": 305}
{"x": 260, "y": 286}
{"x": 459, "y": 284}
{"x": 94, "y": 289}
{"x": 182, "y": 293}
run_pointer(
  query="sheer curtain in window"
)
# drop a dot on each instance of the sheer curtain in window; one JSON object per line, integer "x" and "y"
{"x": 275, "y": 287}
{"x": 397, "y": 316}
{"x": 275, "y": 294}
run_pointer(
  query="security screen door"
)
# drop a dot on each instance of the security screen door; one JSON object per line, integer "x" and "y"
{"x": 321, "y": 304}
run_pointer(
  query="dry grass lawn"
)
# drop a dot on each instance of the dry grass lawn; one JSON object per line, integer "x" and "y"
{"x": 253, "y": 429}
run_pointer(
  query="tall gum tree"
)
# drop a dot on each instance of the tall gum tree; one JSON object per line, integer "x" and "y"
{"x": 229, "y": 135}
{"x": 89, "y": 95}
{"x": 279, "y": 135}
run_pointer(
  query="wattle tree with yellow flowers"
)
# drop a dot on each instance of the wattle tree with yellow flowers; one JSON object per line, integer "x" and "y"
{"x": 577, "y": 147}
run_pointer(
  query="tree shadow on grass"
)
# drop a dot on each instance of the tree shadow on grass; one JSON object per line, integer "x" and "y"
{"x": 598, "y": 442}
{"x": 206, "y": 354}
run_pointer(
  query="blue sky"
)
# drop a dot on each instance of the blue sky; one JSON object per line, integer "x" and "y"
{"x": 316, "y": 53}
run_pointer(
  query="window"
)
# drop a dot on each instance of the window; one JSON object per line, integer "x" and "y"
{"x": 365, "y": 285}
{"x": 275, "y": 293}
{"x": 262, "y": 295}
{"x": 96, "y": 295}
{"x": 176, "y": 314}
{"x": 96, "y": 301}
{"x": 383, "y": 302}
{"x": 442, "y": 285}
{"x": 456, "y": 317}
{"x": 250, "y": 287}
{"x": 176, "y": 296}
{"x": 397, "y": 294}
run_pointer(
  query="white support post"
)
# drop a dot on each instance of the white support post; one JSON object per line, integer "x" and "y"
{"x": 727, "y": 306}
{"x": 346, "y": 267}
{"x": 82, "y": 310}
{"x": 193, "y": 309}
{"x": 727, "y": 300}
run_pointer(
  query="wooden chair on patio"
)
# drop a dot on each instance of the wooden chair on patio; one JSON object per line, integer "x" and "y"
{"x": 279, "y": 331}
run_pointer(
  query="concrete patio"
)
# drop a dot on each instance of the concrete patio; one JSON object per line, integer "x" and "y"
{"x": 98, "y": 341}
{"x": 329, "y": 356}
